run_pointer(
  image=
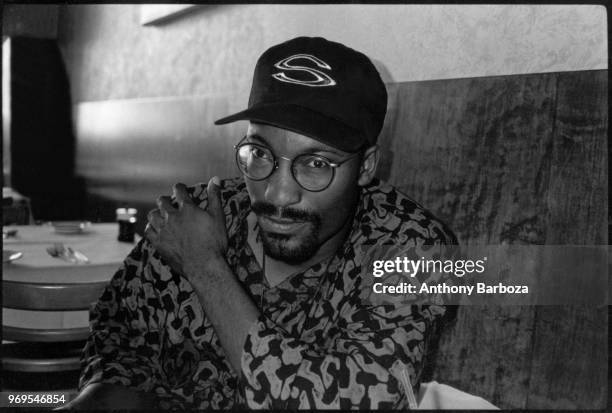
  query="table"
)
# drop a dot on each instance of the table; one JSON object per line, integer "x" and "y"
{"x": 98, "y": 242}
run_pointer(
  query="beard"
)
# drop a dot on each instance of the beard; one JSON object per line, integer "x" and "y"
{"x": 292, "y": 249}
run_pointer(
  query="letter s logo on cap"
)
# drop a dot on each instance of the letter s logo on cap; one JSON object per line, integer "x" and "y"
{"x": 320, "y": 78}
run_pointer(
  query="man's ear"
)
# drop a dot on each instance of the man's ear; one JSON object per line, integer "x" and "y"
{"x": 369, "y": 162}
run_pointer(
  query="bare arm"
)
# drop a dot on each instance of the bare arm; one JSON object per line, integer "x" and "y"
{"x": 194, "y": 242}
{"x": 228, "y": 307}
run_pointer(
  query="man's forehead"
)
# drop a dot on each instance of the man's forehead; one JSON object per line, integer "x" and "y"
{"x": 274, "y": 135}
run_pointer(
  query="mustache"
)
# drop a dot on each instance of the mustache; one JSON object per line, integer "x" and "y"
{"x": 265, "y": 208}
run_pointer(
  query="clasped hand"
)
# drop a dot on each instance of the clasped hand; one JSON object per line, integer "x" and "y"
{"x": 187, "y": 237}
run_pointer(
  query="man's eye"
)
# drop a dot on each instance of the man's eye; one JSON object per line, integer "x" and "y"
{"x": 317, "y": 163}
{"x": 259, "y": 153}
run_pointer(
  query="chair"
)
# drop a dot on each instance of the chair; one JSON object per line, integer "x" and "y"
{"x": 39, "y": 356}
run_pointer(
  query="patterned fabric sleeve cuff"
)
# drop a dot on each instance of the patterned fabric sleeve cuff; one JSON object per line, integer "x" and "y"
{"x": 100, "y": 377}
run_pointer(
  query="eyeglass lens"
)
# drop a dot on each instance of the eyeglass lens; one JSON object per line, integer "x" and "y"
{"x": 312, "y": 172}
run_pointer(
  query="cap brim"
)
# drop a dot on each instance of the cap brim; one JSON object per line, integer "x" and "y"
{"x": 303, "y": 121}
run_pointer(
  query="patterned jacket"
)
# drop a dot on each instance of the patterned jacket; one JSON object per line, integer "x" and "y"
{"x": 324, "y": 338}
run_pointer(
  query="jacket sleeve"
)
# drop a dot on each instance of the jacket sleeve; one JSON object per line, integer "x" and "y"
{"x": 135, "y": 337}
{"x": 375, "y": 361}
{"x": 123, "y": 347}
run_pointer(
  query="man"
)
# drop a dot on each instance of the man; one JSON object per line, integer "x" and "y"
{"x": 257, "y": 291}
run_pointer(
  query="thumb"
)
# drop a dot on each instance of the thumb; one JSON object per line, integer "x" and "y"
{"x": 214, "y": 197}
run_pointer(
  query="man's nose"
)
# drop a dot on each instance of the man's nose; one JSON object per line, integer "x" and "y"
{"x": 282, "y": 190}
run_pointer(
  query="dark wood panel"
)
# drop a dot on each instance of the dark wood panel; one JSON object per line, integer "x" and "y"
{"x": 568, "y": 350}
{"x": 476, "y": 151}
{"x": 488, "y": 353}
{"x": 569, "y": 361}
{"x": 577, "y": 191}
{"x": 512, "y": 159}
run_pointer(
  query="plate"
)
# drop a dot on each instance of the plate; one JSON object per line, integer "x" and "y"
{"x": 10, "y": 256}
{"x": 70, "y": 227}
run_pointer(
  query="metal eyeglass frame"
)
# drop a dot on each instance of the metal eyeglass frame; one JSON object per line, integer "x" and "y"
{"x": 333, "y": 165}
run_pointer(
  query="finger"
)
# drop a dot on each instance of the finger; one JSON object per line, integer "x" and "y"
{"x": 214, "y": 197}
{"x": 156, "y": 220}
{"x": 181, "y": 195}
{"x": 151, "y": 234}
{"x": 164, "y": 203}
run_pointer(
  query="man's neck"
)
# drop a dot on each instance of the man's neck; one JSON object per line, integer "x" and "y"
{"x": 277, "y": 271}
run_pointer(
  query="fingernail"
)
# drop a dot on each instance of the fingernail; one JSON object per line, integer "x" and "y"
{"x": 216, "y": 180}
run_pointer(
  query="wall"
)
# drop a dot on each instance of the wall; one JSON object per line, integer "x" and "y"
{"x": 40, "y": 20}
{"x": 212, "y": 50}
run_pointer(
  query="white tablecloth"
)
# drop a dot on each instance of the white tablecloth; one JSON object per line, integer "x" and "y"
{"x": 438, "y": 396}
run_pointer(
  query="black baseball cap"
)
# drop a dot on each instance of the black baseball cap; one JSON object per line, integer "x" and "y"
{"x": 320, "y": 89}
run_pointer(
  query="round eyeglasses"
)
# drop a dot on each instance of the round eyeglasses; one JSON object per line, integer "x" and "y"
{"x": 312, "y": 172}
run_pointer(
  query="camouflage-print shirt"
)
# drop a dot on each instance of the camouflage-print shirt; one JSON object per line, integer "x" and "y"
{"x": 324, "y": 338}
